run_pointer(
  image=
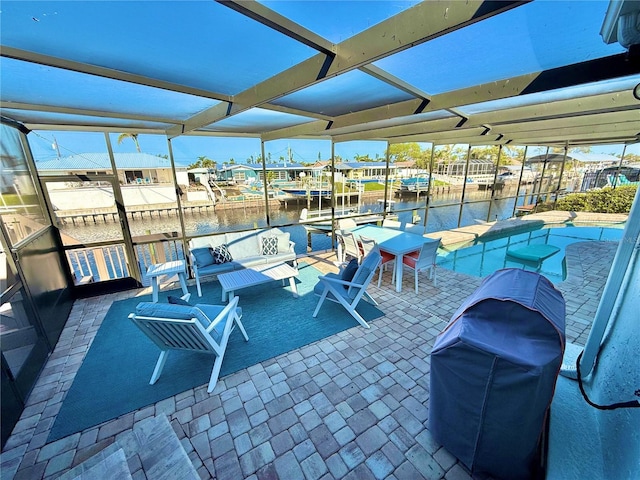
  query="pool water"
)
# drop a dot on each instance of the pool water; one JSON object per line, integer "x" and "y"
{"x": 485, "y": 257}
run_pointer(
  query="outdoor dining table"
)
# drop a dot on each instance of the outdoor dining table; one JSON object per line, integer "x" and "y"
{"x": 395, "y": 242}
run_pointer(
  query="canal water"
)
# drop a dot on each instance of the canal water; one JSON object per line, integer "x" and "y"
{"x": 243, "y": 218}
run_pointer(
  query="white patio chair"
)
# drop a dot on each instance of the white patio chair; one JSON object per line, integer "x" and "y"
{"x": 348, "y": 292}
{"x": 413, "y": 228}
{"x": 347, "y": 223}
{"x": 349, "y": 246}
{"x": 386, "y": 259}
{"x": 368, "y": 245}
{"x": 424, "y": 260}
{"x": 199, "y": 328}
{"x": 388, "y": 223}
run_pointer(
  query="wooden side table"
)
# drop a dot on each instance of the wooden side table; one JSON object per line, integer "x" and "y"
{"x": 178, "y": 267}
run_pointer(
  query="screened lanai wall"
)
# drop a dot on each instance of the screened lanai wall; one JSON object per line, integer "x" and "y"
{"x": 95, "y": 210}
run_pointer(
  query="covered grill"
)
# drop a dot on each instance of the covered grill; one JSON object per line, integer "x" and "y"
{"x": 493, "y": 374}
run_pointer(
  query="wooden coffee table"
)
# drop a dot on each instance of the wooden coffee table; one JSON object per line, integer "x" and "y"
{"x": 249, "y": 277}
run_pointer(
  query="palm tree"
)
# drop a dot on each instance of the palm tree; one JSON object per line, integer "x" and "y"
{"x": 132, "y": 136}
{"x": 204, "y": 162}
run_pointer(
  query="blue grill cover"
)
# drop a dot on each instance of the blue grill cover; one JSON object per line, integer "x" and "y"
{"x": 493, "y": 373}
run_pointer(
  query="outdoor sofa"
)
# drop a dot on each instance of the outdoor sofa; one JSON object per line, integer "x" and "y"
{"x": 226, "y": 252}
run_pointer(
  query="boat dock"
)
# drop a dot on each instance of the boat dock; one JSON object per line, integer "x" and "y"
{"x": 298, "y": 198}
{"x": 104, "y": 215}
{"x": 97, "y": 216}
{"x": 489, "y": 185}
{"x": 416, "y": 192}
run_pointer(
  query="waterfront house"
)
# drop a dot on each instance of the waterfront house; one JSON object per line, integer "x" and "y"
{"x": 470, "y": 168}
{"x": 276, "y": 172}
{"x": 131, "y": 168}
{"x": 365, "y": 170}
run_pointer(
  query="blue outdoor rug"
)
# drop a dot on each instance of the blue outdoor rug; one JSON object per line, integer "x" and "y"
{"x": 114, "y": 377}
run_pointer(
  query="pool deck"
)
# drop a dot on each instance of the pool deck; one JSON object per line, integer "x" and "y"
{"x": 353, "y": 405}
{"x": 472, "y": 233}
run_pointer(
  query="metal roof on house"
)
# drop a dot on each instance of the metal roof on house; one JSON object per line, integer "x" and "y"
{"x": 359, "y": 165}
{"x": 281, "y": 166}
{"x": 268, "y": 166}
{"x": 447, "y": 72}
{"x": 124, "y": 161}
{"x": 577, "y": 156}
{"x": 463, "y": 161}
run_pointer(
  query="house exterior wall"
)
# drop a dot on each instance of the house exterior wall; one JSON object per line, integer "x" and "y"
{"x": 616, "y": 378}
{"x": 69, "y": 199}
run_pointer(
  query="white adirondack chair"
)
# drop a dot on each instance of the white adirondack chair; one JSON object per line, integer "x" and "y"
{"x": 201, "y": 328}
{"x": 348, "y": 293}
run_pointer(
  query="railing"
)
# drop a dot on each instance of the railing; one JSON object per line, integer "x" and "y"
{"x": 98, "y": 264}
{"x": 157, "y": 251}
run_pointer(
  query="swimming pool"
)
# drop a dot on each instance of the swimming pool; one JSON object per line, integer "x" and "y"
{"x": 485, "y": 257}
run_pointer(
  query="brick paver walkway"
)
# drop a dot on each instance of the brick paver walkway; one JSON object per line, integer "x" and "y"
{"x": 353, "y": 405}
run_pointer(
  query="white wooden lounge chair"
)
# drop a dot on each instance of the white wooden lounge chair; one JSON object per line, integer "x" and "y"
{"x": 424, "y": 260}
{"x": 199, "y": 328}
{"x": 348, "y": 292}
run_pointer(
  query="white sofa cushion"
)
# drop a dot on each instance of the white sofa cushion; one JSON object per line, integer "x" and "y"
{"x": 283, "y": 238}
{"x": 243, "y": 244}
{"x": 251, "y": 261}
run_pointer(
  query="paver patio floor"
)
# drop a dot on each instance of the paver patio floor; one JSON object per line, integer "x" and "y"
{"x": 354, "y": 405}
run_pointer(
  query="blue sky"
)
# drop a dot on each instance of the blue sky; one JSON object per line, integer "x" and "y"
{"x": 187, "y": 149}
{"x": 539, "y": 37}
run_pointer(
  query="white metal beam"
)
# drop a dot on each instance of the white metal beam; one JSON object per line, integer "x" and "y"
{"x": 454, "y": 101}
{"x": 86, "y": 68}
{"x": 415, "y": 25}
{"x": 79, "y": 111}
